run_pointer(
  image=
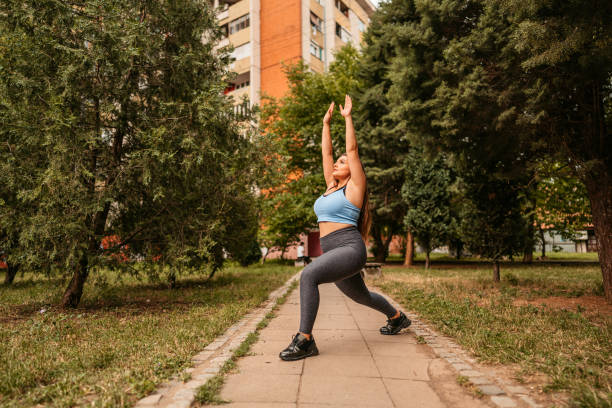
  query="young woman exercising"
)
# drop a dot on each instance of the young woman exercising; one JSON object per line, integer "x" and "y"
{"x": 344, "y": 223}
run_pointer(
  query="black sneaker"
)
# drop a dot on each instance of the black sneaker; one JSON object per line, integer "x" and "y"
{"x": 299, "y": 348}
{"x": 395, "y": 325}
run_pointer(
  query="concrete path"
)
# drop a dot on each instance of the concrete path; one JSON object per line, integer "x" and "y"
{"x": 356, "y": 367}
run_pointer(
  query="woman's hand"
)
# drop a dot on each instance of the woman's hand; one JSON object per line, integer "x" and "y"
{"x": 348, "y": 105}
{"x": 328, "y": 114}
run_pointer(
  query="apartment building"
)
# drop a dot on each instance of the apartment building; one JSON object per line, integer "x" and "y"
{"x": 267, "y": 33}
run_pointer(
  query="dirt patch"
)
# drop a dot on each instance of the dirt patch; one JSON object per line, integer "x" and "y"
{"x": 590, "y": 305}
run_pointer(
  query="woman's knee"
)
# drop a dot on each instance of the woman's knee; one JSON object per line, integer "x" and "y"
{"x": 308, "y": 275}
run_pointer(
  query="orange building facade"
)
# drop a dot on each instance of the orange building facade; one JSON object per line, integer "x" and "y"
{"x": 269, "y": 33}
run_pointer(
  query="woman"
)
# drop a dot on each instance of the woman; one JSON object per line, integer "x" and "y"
{"x": 344, "y": 222}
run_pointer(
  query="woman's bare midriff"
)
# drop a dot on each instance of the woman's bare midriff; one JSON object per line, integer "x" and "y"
{"x": 327, "y": 227}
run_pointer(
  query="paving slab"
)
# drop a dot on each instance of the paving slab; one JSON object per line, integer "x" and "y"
{"x": 259, "y": 387}
{"x": 356, "y": 367}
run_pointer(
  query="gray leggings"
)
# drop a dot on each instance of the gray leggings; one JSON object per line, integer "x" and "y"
{"x": 344, "y": 254}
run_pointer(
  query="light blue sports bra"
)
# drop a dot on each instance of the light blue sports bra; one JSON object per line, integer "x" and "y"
{"x": 336, "y": 208}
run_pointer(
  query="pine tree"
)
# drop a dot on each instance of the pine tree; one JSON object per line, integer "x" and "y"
{"x": 427, "y": 193}
{"x": 565, "y": 54}
{"x": 113, "y": 114}
{"x": 383, "y": 143}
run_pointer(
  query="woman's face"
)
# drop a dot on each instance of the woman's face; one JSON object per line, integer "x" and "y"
{"x": 341, "y": 168}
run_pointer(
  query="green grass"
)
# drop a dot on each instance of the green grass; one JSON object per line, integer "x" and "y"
{"x": 501, "y": 323}
{"x": 128, "y": 335}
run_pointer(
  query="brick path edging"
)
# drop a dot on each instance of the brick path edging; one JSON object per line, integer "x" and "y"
{"x": 502, "y": 394}
{"x": 208, "y": 363}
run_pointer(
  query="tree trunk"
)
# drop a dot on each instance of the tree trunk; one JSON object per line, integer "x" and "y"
{"x": 74, "y": 291}
{"x": 543, "y": 242}
{"x": 459, "y": 249}
{"x": 409, "y": 259}
{"x": 11, "y": 271}
{"x": 427, "y": 259}
{"x": 599, "y": 187}
{"x": 496, "y": 276}
{"x": 379, "y": 246}
{"x": 528, "y": 251}
{"x": 172, "y": 280}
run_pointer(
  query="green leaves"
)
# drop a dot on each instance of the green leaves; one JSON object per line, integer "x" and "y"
{"x": 117, "y": 126}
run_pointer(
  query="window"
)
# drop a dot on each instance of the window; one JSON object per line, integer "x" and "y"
{"x": 239, "y": 24}
{"x": 224, "y": 30}
{"x": 360, "y": 25}
{"x": 315, "y": 23}
{"x": 342, "y": 33}
{"x": 243, "y": 85}
{"x": 242, "y": 51}
{"x": 342, "y": 7}
{"x": 316, "y": 50}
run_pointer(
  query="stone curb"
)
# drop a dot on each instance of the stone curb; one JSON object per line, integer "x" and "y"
{"x": 502, "y": 394}
{"x": 208, "y": 363}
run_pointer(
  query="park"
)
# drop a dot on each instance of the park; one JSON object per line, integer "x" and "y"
{"x": 165, "y": 227}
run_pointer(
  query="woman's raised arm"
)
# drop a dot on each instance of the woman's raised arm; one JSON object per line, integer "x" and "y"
{"x": 357, "y": 175}
{"x": 326, "y": 148}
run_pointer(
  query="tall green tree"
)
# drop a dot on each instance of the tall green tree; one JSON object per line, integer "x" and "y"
{"x": 565, "y": 55}
{"x": 428, "y": 195}
{"x": 532, "y": 80}
{"x": 382, "y": 136}
{"x": 493, "y": 225}
{"x": 123, "y": 103}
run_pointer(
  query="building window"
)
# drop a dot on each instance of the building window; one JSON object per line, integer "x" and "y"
{"x": 224, "y": 30}
{"x": 315, "y": 23}
{"x": 239, "y": 24}
{"x": 360, "y": 25}
{"x": 243, "y": 85}
{"x": 242, "y": 51}
{"x": 342, "y": 33}
{"x": 342, "y": 7}
{"x": 316, "y": 50}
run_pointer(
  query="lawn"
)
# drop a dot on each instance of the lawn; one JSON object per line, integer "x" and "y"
{"x": 543, "y": 319}
{"x": 550, "y": 257}
{"x": 128, "y": 335}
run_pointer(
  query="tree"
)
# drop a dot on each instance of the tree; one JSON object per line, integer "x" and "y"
{"x": 492, "y": 223}
{"x": 565, "y": 56}
{"x": 382, "y": 137}
{"x": 448, "y": 87}
{"x": 123, "y": 102}
{"x": 427, "y": 193}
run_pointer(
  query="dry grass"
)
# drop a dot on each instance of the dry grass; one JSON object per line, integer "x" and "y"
{"x": 545, "y": 320}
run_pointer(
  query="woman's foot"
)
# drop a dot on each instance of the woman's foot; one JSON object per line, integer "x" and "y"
{"x": 300, "y": 347}
{"x": 394, "y": 326}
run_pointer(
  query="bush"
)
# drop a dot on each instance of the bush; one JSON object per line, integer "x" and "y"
{"x": 250, "y": 255}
